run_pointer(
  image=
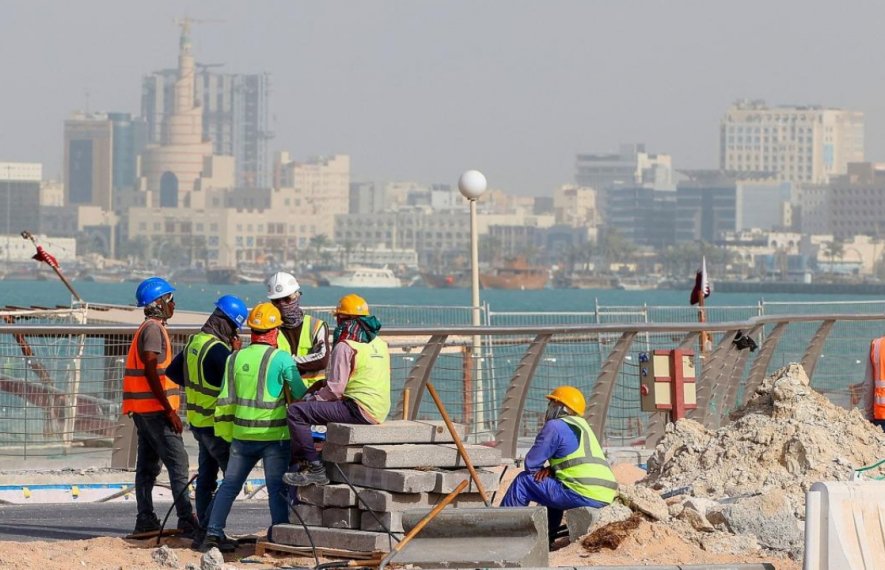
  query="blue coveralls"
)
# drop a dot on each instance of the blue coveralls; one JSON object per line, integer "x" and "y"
{"x": 556, "y": 439}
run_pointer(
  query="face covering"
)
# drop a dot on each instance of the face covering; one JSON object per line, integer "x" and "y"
{"x": 265, "y": 337}
{"x": 291, "y": 312}
{"x": 554, "y": 410}
{"x": 219, "y": 326}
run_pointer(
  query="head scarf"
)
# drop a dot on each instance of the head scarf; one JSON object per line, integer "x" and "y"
{"x": 220, "y": 326}
{"x": 157, "y": 310}
{"x": 265, "y": 337}
{"x": 291, "y": 312}
{"x": 360, "y": 329}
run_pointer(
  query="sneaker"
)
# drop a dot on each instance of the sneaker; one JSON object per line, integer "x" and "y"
{"x": 189, "y": 528}
{"x": 222, "y": 543}
{"x": 146, "y": 523}
{"x": 315, "y": 474}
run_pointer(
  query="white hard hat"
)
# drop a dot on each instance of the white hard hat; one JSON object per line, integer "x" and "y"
{"x": 281, "y": 285}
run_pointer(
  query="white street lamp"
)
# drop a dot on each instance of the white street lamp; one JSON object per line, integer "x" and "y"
{"x": 472, "y": 184}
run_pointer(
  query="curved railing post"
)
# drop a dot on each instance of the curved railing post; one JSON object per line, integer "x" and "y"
{"x": 514, "y": 399}
{"x": 760, "y": 365}
{"x": 597, "y": 407}
{"x": 816, "y": 348}
{"x": 418, "y": 376}
{"x": 712, "y": 367}
{"x": 737, "y": 372}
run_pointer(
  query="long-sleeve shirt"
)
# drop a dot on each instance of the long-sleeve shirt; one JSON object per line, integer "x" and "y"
{"x": 556, "y": 439}
{"x": 337, "y": 375}
{"x": 318, "y": 356}
{"x": 213, "y": 366}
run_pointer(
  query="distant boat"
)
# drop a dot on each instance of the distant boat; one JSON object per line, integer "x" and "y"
{"x": 589, "y": 281}
{"x": 457, "y": 280}
{"x": 358, "y": 277}
{"x": 515, "y": 274}
{"x": 638, "y": 283}
{"x": 221, "y": 275}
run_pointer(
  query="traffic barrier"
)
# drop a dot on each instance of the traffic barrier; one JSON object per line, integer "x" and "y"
{"x": 845, "y": 526}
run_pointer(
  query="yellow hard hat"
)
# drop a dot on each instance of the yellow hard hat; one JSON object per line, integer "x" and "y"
{"x": 352, "y": 305}
{"x": 264, "y": 317}
{"x": 570, "y": 397}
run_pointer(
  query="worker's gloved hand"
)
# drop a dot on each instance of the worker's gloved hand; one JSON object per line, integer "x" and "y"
{"x": 542, "y": 474}
{"x": 174, "y": 421}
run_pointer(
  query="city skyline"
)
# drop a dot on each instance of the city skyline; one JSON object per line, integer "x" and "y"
{"x": 424, "y": 91}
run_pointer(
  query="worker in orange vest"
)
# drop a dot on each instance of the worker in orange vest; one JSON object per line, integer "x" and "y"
{"x": 874, "y": 384}
{"x": 151, "y": 400}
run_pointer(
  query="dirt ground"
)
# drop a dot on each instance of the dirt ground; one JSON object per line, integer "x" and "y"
{"x": 649, "y": 543}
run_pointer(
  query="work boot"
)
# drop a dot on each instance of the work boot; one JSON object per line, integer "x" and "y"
{"x": 314, "y": 474}
{"x": 222, "y": 543}
{"x": 146, "y": 523}
{"x": 189, "y": 527}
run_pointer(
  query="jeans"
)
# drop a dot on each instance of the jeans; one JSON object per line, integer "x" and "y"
{"x": 547, "y": 492}
{"x": 302, "y": 415}
{"x": 158, "y": 444}
{"x": 243, "y": 457}
{"x": 214, "y": 453}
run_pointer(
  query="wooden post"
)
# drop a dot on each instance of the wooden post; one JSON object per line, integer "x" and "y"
{"x": 703, "y": 338}
{"x": 406, "y": 395}
{"x": 467, "y": 396}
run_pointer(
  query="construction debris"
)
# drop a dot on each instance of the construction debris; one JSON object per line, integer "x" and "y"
{"x": 611, "y": 535}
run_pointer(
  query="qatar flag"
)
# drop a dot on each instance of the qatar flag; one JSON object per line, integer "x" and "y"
{"x": 701, "y": 284}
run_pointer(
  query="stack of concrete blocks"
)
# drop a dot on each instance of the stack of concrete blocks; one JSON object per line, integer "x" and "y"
{"x": 396, "y": 466}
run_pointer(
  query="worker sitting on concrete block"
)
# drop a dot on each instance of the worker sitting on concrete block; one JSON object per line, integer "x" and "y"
{"x": 578, "y": 474}
{"x": 356, "y": 389}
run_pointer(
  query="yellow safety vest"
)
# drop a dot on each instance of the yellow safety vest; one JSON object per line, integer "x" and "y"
{"x": 309, "y": 329}
{"x": 369, "y": 383}
{"x": 585, "y": 471}
{"x": 201, "y": 396}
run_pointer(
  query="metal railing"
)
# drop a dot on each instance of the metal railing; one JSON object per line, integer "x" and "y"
{"x": 60, "y": 385}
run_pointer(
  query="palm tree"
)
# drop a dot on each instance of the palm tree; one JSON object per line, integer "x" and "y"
{"x": 834, "y": 249}
{"x": 317, "y": 243}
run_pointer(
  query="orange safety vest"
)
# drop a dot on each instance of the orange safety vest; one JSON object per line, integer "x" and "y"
{"x": 877, "y": 358}
{"x": 137, "y": 395}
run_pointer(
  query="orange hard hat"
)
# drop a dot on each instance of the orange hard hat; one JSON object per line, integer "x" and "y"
{"x": 352, "y": 306}
{"x": 570, "y": 397}
{"x": 264, "y": 317}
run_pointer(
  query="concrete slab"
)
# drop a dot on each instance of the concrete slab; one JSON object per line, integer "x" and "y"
{"x": 343, "y": 453}
{"x": 478, "y": 538}
{"x": 334, "y": 517}
{"x": 579, "y": 521}
{"x": 446, "y": 481}
{"x": 428, "y": 455}
{"x": 392, "y": 520}
{"x": 394, "y": 431}
{"x": 358, "y": 540}
{"x": 394, "y": 480}
{"x": 385, "y": 501}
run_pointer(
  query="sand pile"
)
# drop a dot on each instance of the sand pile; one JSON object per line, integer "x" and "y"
{"x": 749, "y": 477}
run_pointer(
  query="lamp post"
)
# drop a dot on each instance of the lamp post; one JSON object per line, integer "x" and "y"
{"x": 472, "y": 184}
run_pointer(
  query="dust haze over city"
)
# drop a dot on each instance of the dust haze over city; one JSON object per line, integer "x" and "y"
{"x": 585, "y": 117}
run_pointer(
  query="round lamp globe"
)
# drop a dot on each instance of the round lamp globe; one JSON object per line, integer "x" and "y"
{"x": 472, "y": 184}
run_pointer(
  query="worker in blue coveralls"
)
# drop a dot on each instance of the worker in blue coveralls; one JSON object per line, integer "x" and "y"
{"x": 577, "y": 474}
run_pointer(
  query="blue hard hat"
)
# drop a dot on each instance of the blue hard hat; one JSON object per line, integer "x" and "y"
{"x": 233, "y": 308}
{"x": 152, "y": 289}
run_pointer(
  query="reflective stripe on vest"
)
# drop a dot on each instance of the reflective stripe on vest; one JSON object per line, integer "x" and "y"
{"x": 200, "y": 395}
{"x": 369, "y": 383}
{"x": 309, "y": 329}
{"x": 137, "y": 395}
{"x": 585, "y": 471}
{"x": 877, "y": 358}
{"x": 245, "y": 410}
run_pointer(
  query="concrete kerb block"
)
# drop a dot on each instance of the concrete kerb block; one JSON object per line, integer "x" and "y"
{"x": 579, "y": 521}
{"x": 335, "y": 517}
{"x": 478, "y": 538}
{"x": 311, "y": 514}
{"x": 462, "y": 501}
{"x": 394, "y": 431}
{"x": 384, "y": 501}
{"x": 446, "y": 481}
{"x": 407, "y": 455}
{"x": 358, "y": 540}
{"x": 392, "y": 520}
{"x": 395, "y": 480}
{"x": 342, "y": 453}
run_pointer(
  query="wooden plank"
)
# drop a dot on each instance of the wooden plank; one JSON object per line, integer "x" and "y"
{"x": 262, "y": 546}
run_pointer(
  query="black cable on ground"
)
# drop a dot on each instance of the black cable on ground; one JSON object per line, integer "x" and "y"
{"x": 501, "y": 478}
{"x": 306, "y": 531}
{"x": 174, "y": 502}
{"x": 391, "y": 536}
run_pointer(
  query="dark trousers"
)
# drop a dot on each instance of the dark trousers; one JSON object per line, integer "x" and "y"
{"x": 302, "y": 415}
{"x": 159, "y": 445}
{"x": 214, "y": 454}
{"x": 880, "y": 423}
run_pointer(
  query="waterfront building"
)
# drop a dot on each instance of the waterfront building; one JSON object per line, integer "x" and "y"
{"x": 20, "y": 197}
{"x": 797, "y": 143}
{"x": 857, "y": 201}
{"x": 575, "y": 206}
{"x": 706, "y": 206}
{"x": 320, "y": 188}
{"x": 629, "y": 166}
{"x": 642, "y": 215}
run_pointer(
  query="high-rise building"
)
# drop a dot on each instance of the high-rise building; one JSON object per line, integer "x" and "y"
{"x": 19, "y": 201}
{"x": 631, "y": 165}
{"x": 101, "y": 157}
{"x": 234, "y": 116}
{"x": 797, "y": 143}
{"x": 322, "y": 191}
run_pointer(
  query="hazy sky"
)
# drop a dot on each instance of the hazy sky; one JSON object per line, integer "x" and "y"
{"x": 423, "y": 90}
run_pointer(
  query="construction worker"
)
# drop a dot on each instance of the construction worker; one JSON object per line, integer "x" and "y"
{"x": 356, "y": 389}
{"x": 577, "y": 474}
{"x": 199, "y": 367}
{"x": 874, "y": 384}
{"x": 151, "y": 399}
{"x": 251, "y": 414}
{"x": 305, "y": 337}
